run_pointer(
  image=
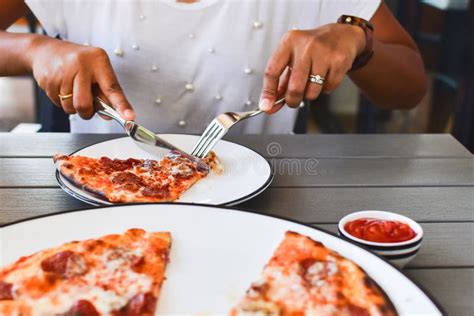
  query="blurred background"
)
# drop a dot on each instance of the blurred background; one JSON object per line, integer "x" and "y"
{"x": 443, "y": 30}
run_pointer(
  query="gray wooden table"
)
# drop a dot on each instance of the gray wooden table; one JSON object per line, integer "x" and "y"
{"x": 429, "y": 178}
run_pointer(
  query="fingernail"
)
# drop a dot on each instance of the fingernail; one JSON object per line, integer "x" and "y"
{"x": 128, "y": 114}
{"x": 265, "y": 105}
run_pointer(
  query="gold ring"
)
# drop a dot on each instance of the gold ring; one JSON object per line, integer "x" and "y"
{"x": 65, "y": 97}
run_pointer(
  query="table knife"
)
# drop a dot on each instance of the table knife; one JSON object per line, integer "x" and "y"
{"x": 142, "y": 136}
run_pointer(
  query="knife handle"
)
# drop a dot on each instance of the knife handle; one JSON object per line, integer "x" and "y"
{"x": 104, "y": 109}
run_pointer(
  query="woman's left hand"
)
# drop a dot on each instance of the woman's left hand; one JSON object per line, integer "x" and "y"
{"x": 328, "y": 51}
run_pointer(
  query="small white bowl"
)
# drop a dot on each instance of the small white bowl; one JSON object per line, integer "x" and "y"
{"x": 398, "y": 253}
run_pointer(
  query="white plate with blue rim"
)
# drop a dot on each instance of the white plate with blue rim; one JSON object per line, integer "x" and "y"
{"x": 216, "y": 252}
{"x": 246, "y": 173}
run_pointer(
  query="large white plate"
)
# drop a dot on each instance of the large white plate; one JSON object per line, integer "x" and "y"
{"x": 216, "y": 252}
{"x": 246, "y": 173}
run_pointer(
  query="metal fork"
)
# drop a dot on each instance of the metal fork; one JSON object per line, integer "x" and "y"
{"x": 219, "y": 127}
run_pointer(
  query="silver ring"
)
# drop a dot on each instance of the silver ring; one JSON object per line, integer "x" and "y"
{"x": 316, "y": 79}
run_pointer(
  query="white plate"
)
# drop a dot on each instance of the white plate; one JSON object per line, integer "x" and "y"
{"x": 216, "y": 254}
{"x": 246, "y": 173}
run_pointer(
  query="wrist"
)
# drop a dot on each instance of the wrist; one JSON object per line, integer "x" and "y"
{"x": 367, "y": 52}
{"x": 33, "y": 45}
{"x": 359, "y": 37}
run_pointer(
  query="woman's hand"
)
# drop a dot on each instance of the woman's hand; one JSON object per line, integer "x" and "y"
{"x": 328, "y": 51}
{"x": 63, "y": 68}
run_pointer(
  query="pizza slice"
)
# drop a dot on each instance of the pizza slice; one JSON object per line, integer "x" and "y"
{"x": 305, "y": 278}
{"x": 136, "y": 180}
{"x": 118, "y": 275}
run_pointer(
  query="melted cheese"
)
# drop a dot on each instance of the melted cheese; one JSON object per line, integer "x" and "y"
{"x": 111, "y": 270}
{"x": 287, "y": 286}
{"x": 291, "y": 287}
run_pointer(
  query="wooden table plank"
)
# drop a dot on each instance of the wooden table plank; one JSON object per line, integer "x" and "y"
{"x": 302, "y": 146}
{"x": 33, "y": 172}
{"x": 327, "y": 205}
{"x": 452, "y": 288}
{"x": 17, "y": 204}
{"x": 309, "y": 205}
{"x": 47, "y": 144}
{"x": 356, "y": 145}
{"x": 27, "y": 172}
{"x": 373, "y": 172}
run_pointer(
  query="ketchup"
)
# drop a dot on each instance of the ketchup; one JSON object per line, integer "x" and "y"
{"x": 379, "y": 230}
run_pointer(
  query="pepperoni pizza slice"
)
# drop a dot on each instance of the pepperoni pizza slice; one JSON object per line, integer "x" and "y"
{"x": 305, "y": 278}
{"x": 136, "y": 180}
{"x": 114, "y": 275}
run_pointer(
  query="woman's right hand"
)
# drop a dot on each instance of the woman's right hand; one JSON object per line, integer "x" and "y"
{"x": 63, "y": 68}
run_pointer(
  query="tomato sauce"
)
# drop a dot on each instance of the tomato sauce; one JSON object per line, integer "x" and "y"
{"x": 378, "y": 230}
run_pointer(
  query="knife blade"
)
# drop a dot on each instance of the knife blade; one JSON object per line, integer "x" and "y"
{"x": 143, "y": 137}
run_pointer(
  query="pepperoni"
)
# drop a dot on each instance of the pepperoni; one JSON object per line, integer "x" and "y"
{"x": 132, "y": 161}
{"x": 6, "y": 291}
{"x": 87, "y": 172}
{"x": 129, "y": 181}
{"x": 68, "y": 165}
{"x": 57, "y": 263}
{"x": 140, "y": 304}
{"x": 316, "y": 271}
{"x": 92, "y": 244}
{"x": 117, "y": 164}
{"x": 127, "y": 177}
{"x": 131, "y": 187}
{"x": 137, "y": 263}
{"x": 161, "y": 192}
{"x": 306, "y": 263}
{"x": 65, "y": 264}
{"x": 82, "y": 308}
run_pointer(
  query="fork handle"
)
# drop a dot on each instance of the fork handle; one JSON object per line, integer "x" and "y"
{"x": 258, "y": 111}
{"x": 280, "y": 101}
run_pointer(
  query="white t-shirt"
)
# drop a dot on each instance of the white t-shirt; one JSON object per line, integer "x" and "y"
{"x": 180, "y": 64}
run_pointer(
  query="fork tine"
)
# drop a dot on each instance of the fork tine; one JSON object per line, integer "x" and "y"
{"x": 205, "y": 149}
{"x": 208, "y": 141}
{"x": 214, "y": 133}
{"x": 213, "y": 142}
{"x": 219, "y": 127}
{"x": 203, "y": 137}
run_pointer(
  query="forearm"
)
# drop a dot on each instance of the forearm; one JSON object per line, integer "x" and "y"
{"x": 394, "y": 78}
{"x": 16, "y": 51}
